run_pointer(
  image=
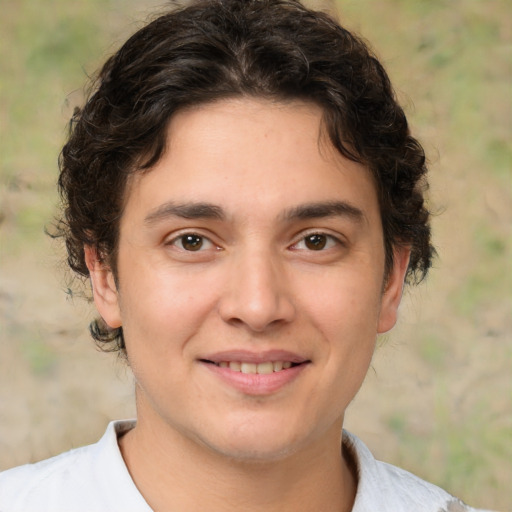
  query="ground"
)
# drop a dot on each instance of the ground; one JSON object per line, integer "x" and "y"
{"x": 438, "y": 399}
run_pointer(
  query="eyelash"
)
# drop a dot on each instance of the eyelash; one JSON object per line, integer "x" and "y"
{"x": 181, "y": 238}
{"x": 329, "y": 241}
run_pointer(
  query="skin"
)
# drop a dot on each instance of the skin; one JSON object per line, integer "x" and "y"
{"x": 256, "y": 284}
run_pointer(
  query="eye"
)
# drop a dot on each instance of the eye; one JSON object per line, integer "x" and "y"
{"x": 192, "y": 242}
{"x": 316, "y": 242}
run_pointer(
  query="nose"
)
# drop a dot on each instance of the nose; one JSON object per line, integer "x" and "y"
{"x": 258, "y": 295}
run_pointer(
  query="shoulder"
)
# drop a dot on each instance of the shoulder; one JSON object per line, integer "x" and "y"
{"x": 90, "y": 478}
{"x": 386, "y": 487}
{"x": 47, "y": 474}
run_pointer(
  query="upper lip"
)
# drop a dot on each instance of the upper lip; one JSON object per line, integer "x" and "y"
{"x": 247, "y": 356}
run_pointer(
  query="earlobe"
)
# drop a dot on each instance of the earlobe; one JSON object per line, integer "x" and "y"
{"x": 392, "y": 294}
{"x": 103, "y": 287}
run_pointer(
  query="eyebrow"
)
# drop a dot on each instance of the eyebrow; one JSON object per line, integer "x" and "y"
{"x": 211, "y": 211}
{"x": 325, "y": 209}
{"x": 185, "y": 211}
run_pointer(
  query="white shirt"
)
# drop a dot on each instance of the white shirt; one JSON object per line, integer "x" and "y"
{"x": 95, "y": 478}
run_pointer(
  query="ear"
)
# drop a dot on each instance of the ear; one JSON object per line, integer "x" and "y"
{"x": 104, "y": 288}
{"x": 392, "y": 294}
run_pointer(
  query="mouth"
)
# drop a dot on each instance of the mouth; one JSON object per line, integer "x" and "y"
{"x": 263, "y": 368}
{"x": 256, "y": 374}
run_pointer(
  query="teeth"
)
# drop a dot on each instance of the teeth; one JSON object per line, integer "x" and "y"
{"x": 265, "y": 367}
{"x": 235, "y": 366}
{"x": 278, "y": 366}
{"x": 253, "y": 368}
{"x": 248, "y": 368}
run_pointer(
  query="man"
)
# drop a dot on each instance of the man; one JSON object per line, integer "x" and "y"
{"x": 244, "y": 194}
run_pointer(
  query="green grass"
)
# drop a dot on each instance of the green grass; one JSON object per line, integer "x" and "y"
{"x": 458, "y": 451}
{"x": 433, "y": 350}
{"x": 47, "y": 54}
{"x": 491, "y": 274}
{"x": 40, "y": 357}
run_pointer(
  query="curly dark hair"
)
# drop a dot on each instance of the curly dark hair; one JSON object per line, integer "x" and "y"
{"x": 214, "y": 49}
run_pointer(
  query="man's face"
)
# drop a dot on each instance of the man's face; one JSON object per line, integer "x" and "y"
{"x": 252, "y": 246}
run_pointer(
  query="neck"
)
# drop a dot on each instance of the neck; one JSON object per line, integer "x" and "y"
{"x": 167, "y": 467}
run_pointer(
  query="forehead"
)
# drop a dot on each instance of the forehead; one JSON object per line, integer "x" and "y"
{"x": 242, "y": 152}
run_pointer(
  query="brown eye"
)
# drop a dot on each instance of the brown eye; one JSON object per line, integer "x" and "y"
{"x": 191, "y": 242}
{"x": 315, "y": 242}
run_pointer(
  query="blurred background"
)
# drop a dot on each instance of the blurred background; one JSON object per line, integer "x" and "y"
{"x": 438, "y": 398}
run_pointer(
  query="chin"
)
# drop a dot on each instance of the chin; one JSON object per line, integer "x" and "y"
{"x": 253, "y": 445}
{"x": 254, "y": 453}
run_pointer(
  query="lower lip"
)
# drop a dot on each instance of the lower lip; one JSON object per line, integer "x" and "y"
{"x": 255, "y": 383}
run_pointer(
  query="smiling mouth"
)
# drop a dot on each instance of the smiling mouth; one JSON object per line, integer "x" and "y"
{"x": 263, "y": 368}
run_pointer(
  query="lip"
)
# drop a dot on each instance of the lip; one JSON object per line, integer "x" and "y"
{"x": 246, "y": 356}
{"x": 252, "y": 383}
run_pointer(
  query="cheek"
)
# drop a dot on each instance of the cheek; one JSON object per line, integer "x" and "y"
{"x": 162, "y": 306}
{"x": 346, "y": 317}
{"x": 342, "y": 302}
{"x": 346, "y": 314}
